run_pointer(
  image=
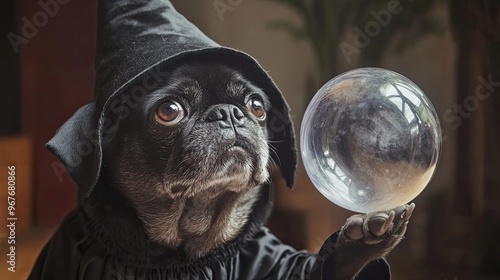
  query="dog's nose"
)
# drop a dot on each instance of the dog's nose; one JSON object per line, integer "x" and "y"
{"x": 227, "y": 115}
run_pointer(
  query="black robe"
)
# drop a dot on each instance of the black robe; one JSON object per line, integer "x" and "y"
{"x": 80, "y": 249}
{"x": 137, "y": 39}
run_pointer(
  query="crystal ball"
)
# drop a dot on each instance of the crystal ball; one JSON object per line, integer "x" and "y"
{"x": 370, "y": 140}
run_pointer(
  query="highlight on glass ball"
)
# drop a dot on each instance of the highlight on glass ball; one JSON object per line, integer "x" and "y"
{"x": 370, "y": 140}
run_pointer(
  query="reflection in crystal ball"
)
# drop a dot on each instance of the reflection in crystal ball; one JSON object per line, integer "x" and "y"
{"x": 370, "y": 140}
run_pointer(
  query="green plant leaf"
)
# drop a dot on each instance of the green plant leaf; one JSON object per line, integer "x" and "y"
{"x": 295, "y": 31}
{"x": 298, "y": 5}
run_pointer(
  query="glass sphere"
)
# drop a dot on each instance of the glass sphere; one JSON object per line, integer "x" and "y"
{"x": 370, "y": 140}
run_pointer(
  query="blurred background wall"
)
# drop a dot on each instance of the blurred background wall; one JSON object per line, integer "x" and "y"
{"x": 445, "y": 47}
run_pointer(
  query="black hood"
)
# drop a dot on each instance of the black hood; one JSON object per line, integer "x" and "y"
{"x": 135, "y": 38}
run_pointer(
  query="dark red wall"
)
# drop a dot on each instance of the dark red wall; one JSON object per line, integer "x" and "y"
{"x": 56, "y": 79}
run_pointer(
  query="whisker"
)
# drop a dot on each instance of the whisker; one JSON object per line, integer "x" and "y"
{"x": 274, "y": 150}
{"x": 280, "y": 141}
{"x": 181, "y": 162}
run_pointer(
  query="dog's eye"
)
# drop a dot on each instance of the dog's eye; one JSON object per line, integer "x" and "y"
{"x": 169, "y": 113}
{"x": 256, "y": 106}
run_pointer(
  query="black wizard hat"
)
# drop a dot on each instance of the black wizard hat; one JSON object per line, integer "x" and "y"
{"x": 135, "y": 38}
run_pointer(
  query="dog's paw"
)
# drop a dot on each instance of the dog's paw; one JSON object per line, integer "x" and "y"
{"x": 375, "y": 227}
{"x": 371, "y": 236}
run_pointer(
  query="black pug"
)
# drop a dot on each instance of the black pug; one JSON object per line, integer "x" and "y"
{"x": 192, "y": 156}
{"x": 174, "y": 182}
{"x": 182, "y": 176}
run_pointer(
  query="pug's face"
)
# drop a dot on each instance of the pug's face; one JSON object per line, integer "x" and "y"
{"x": 197, "y": 138}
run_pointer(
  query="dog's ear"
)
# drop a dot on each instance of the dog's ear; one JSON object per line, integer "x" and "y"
{"x": 76, "y": 146}
{"x": 282, "y": 138}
